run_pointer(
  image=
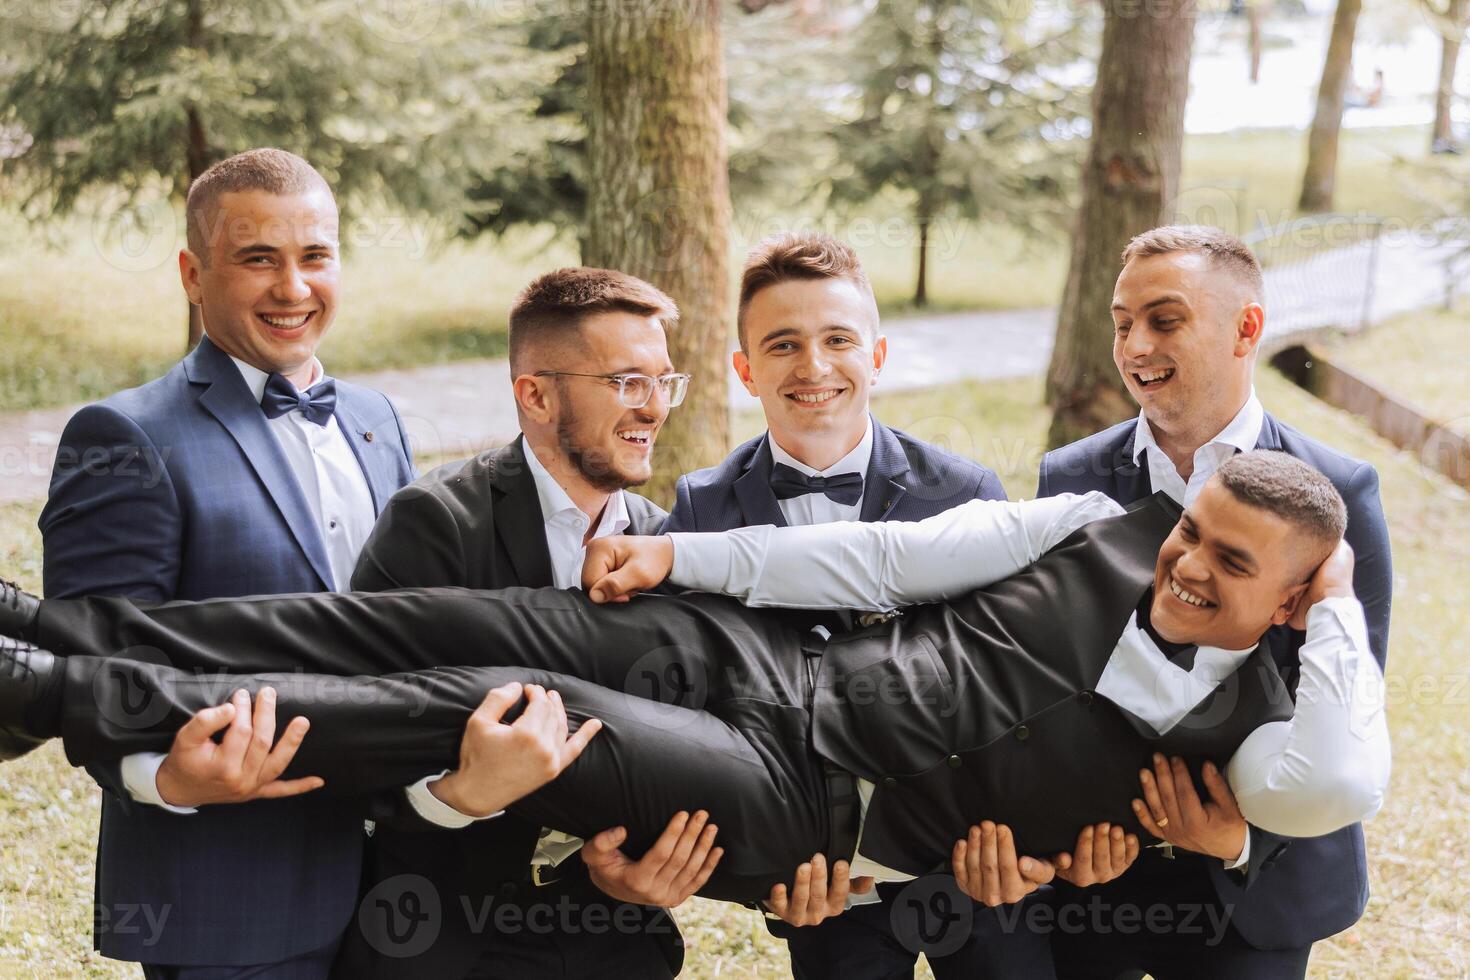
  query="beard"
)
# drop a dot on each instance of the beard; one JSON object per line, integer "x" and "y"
{"x": 597, "y": 466}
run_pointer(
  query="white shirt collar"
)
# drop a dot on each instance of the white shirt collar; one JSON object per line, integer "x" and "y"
{"x": 1241, "y": 432}
{"x": 557, "y": 504}
{"x": 854, "y": 462}
{"x": 255, "y": 378}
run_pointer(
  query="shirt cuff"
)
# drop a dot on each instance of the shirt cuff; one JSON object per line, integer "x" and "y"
{"x": 701, "y": 560}
{"x": 1245, "y": 855}
{"x": 140, "y": 779}
{"x": 435, "y": 810}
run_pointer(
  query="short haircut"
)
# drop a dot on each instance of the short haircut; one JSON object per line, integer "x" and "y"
{"x": 265, "y": 169}
{"x": 1281, "y": 484}
{"x": 1224, "y": 250}
{"x": 796, "y": 255}
{"x": 553, "y": 307}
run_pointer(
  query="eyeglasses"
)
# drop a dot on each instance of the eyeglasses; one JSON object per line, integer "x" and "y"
{"x": 635, "y": 390}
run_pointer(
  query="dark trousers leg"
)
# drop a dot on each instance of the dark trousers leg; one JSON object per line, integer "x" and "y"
{"x": 693, "y": 650}
{"x": 747, "y": 762}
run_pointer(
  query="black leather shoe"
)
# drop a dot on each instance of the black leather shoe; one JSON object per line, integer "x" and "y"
{"x": 18, "y": 611}
{"x": 25, "y": 671}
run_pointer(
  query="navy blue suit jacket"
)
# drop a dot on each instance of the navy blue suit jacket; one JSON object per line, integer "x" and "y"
{"x": 179, "y": 490}
{"x": 1305, "y": 889}
{"x": 907, "y": 480}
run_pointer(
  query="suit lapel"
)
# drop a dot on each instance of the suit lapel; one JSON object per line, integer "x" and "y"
{"x": 1270, "y": 437}
{"x": 884, "y": 487}
{"x": 375, "y": 458}
{"x": 227, "y": 398}
{"x": 519, "y": 523}
{"x": 753, "y": 490}
{"x": 1130, "y": 479}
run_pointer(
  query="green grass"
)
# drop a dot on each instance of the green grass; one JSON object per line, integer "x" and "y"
{"x": 1419, "y": 867}
{"x": 83, "y": 314}
{"x": 1420, "y": 358}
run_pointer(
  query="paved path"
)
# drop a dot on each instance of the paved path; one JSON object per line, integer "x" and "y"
{"x": 459, "y": 408}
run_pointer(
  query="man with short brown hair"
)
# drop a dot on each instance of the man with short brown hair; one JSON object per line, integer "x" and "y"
{"x": 1188, "y": 316}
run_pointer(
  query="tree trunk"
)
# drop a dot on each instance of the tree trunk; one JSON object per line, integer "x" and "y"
{"x": 1442, "y": 136}
{"x": 921, "y": 288}
{"x": 196, "y": 151}
{"x": 1321, "y": 174}
{"x": 1254, "y": 16}
{"x": 658, "y": 196}
{"x": 1129, "y": 184}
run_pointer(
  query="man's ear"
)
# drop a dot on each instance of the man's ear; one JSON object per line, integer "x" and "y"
{"x": 535, "y": 397}
{"x": 880, "y": 355}
{"x": 1287, "y": 609}
{"x": 1249, "y": 329}
{"x": 189, "y": 270}
{"x": 742, "y": 371}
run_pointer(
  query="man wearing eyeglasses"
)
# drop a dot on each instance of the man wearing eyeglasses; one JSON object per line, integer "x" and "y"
{"x": 593, "y": 385}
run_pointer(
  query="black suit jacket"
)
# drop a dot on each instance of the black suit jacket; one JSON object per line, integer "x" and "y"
{"x": 1314, "y": 887}
{"x": 475, "y": 523}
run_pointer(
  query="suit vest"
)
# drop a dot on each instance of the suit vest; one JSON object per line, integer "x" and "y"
{"x": 983, "y": 708}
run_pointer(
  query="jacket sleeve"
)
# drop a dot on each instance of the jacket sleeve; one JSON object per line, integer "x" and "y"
{"x": 112, "y": 524}
{"x": 1367, "y": 532}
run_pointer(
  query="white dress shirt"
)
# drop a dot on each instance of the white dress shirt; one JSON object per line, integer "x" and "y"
{"x": 336, "y": 490}
{"x": 1325, "y": 768}
{"x": 566, "y": 529}
{"x": 1239, "y": 435}
{"x": 818, "y": 508}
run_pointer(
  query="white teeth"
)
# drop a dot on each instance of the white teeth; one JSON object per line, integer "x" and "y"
{"x": 636, "y": 435}
{"x": 1149, "y": 376}
{"x": 814, "y": 399}
{"x": 1188, "y": 597}
{"x": 285, "y": 321}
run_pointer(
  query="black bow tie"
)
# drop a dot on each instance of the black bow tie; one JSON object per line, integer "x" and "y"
{"x": 1179, "y": 654}
{"x": 844, "y": 488}
{"x": 316, "y": 403}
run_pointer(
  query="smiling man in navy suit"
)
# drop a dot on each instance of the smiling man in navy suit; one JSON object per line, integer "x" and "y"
{"x": 1188, "y": 318}
{"x": 244, "y": 470}
{"x": 810, "y": 350}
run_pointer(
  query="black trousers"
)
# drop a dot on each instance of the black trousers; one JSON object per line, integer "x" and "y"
{"x": 1164, "y": 919}
{"x": 703, "y": 704}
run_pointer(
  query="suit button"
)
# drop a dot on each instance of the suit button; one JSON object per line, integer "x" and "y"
{"x": 368, "y": 436}
{"x": 1022, "y": 733}
{"x": 954, "y": 762}
{"x": 889, "y": 782}
{"x": 1086, "y": 698}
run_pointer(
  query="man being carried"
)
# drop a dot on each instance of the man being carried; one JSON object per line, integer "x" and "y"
{"x": 1063, "y": 637}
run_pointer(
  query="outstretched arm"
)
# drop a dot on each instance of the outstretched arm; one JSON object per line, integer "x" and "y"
{"x": 849, "y": 565}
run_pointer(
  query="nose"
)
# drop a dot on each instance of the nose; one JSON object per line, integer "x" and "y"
{"x": 1138, "y": 343}
{"x": 1190, "y": 566}
{"x": 813, "y": 363}
{"x": 291, "y": 287}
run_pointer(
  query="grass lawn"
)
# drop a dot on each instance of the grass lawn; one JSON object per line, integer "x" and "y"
{"x": 83, "y": 314}
{"x": 1419, "y": 868}
{"x": 1420, "y": 358}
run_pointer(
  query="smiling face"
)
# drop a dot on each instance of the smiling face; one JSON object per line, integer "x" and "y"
{"x": 811, "y": 355}
{"x": 1228, "y": 572}
{"x": 1184, "y": 339}
{"x": 268, "y": 290}
{"x": 608, "y": 444}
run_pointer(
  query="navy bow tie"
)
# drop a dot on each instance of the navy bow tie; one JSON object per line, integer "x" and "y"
{"x": 316, "y": 403}
{"x": 788, "y": 482}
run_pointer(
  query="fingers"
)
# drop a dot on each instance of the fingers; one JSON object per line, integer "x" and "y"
{"x": 837, "y": 893}
{"x": 683, "y": 848}
{"x": 498, "y": 701}
{"x": 618, "y": 586}
{"x": 1013, "y": 887}
{"x": 1164, "y": 776}
{"x": 263, "y": 731}
{"x": 801, "y": 890}
{"x": 579, "y": 739}
{"x": 1037, "y": 871}
{"x": 1157, "y": 817}
{"x": 777, "y": 901}
{"x": 1082, "y": 859}
{"x": 200, "y": 728}
{"x": 279, "y": 789}
{"x": 237, "y": 736}
{"x": 1117, "y": 852}
{"x": 1219, "y": 790}
{"x": 1146, "y": 819}
{"x": 818, "y": 895}
{"x": 1184, "y": 792}
{"x": 280, "y": 757}
{"x": 1130, "y": 852}
{"x": 602, "y": 849}
{"x": 863, "y": 884}
{"x": 696, "y": 867}
{"x": 989, "y": 859}
{"x": 663, "y": 848}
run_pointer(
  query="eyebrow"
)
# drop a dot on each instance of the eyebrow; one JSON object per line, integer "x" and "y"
{"x": 1160, "y": 301}
{"x": 1240, "y": 556}
{"x": 261, "y": 248}
{"x": 782, "y": 332}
